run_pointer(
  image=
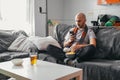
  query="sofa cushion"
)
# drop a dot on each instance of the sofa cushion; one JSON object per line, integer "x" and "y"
{"x": 115, "y": 70}
{"x": 5, "y": 56}
{"x": 99, "y": 69}
{"x": 108, "y": 43}
{"x": 21, "y": 43}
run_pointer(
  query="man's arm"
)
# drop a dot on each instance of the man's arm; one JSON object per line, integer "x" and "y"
{"x": 75, "y": 47}
{"x": 69, "y": 42}
{"x": 69, "y": 39}
{"x": 93, "y": 41}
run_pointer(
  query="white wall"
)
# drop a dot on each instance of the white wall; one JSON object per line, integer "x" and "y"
{"x": 90, "y": 8}
{"x": 55, "y": 13}
{"x": 74, "y": 6}
{"x": 55, "y": 9}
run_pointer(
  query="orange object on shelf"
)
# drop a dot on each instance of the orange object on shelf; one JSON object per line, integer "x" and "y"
{"x": 112, "y": 1}
{"x": 108, "y": 2}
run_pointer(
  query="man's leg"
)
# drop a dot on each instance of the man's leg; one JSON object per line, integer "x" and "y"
{"x": 56, "y": 52}
{"x": 85, "y": 53}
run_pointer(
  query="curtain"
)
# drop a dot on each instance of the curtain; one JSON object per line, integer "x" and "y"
{"x": 17, "y": 15}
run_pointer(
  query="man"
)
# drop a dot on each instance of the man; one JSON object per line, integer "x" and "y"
{"x": 83, "y": 47}
{"x": 83, "y": 50}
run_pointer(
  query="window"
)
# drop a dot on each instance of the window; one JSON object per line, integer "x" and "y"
{"x": 16, "y": 15}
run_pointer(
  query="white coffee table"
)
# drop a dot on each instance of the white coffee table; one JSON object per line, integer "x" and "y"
{"x": 41, "y": 71}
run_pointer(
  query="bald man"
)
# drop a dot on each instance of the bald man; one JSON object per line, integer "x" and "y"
{"x": 80, "y": 20}
{"x": 84, "y": 50}
{"x": 84, "y": 47}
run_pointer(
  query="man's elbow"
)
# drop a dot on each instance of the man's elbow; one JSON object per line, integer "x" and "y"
{"x": 94, "y": 45}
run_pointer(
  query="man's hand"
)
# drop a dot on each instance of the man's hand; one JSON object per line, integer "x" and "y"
{"x": 72, "y": 38}
{"x": 70, "y": 41}
{"x": 75, "y": 47}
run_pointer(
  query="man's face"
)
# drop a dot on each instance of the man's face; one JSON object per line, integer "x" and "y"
{"x": 80, "y": 21}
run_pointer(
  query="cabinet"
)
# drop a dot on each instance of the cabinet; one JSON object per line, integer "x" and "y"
{"x": 99, "y": 2}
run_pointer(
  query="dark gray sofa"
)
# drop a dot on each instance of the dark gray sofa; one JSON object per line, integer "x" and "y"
{"x": 105, "y": 64}
{"x": 6, "y": 38}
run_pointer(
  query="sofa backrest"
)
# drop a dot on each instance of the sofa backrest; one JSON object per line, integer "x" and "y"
{"x": 60, "y": 32}
{"x": 108, "y": 40}
{"x": 7, "y": 37}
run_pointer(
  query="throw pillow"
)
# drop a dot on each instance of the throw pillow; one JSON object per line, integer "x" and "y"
{"x": 43, "y": 42}
{"x": 21, "y": 43}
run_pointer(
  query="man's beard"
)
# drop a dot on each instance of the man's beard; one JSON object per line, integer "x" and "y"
{"x": 79, "y": 26}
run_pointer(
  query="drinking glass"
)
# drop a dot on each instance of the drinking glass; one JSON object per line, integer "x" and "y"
{"x": 33, "y": 57}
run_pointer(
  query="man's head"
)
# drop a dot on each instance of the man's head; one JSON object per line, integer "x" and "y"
{"x": 80, "y": 20}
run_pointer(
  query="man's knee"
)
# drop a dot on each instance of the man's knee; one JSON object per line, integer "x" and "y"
{"x": 86, "y": 52}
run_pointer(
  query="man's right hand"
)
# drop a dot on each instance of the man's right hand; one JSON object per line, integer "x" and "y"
{"x": 69, "y": 42}
{"x": 72, "y": 38}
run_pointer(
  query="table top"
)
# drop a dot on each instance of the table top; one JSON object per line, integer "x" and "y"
{"x": 43, "y": 70}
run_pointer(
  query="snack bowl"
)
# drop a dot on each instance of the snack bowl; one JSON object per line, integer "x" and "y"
{"x": 17, "y": 62}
